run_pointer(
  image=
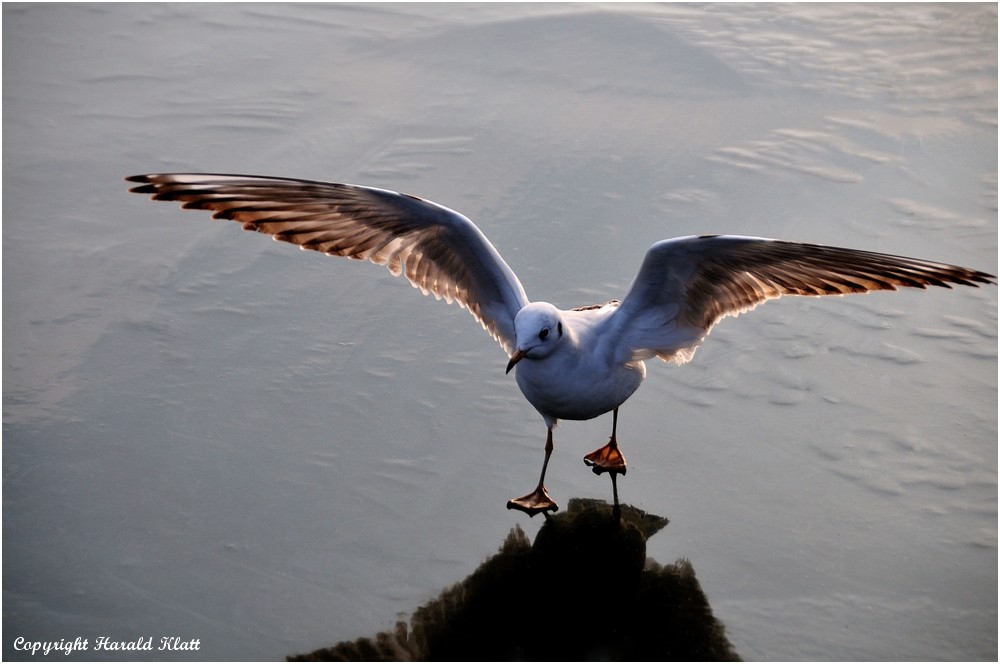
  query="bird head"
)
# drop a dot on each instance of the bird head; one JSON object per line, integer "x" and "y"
{"x": 538, "y": 328}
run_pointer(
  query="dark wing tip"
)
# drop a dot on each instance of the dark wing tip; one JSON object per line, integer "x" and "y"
{"x": 147, "y": 186}
{"x": 983, "y": 278}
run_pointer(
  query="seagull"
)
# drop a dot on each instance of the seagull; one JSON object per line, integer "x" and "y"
{"x": 574, "y": 364}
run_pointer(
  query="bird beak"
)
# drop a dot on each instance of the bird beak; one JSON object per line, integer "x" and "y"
{"x": 515, "y": 358}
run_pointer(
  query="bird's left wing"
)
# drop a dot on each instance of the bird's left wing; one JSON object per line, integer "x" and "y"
{"x": 687, "y": 284}
{"x": 440, "y": 251}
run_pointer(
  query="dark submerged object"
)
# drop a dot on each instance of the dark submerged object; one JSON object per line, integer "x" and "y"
{"x": 583, "y": 591}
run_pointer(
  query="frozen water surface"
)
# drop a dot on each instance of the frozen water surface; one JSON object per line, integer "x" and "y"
{"x": 214, "y": 436}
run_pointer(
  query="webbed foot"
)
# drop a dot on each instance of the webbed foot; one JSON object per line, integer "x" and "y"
{"x": 606, "y": 459}
{"x": 535, "y": 502}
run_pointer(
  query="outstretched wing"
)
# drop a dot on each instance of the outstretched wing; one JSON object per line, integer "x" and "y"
{"x": 686, "y": 285}
{"x": 440, "y": 251}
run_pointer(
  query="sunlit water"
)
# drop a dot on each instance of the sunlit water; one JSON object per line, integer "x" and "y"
{"x": 212, "y": 436}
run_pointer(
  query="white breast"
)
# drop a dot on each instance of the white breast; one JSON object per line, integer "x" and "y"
{"x": 568, "y": 385}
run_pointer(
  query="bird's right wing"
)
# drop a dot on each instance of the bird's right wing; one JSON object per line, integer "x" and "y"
{"x": 439, "y": 251}
{"x": 687, "y": 284}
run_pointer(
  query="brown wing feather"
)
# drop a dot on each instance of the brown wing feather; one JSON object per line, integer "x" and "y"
{"x": 438, "y": 250}
{"x": 686, "y": 285}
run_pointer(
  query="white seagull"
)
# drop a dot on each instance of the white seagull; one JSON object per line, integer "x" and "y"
{"x": 572, "y": 364}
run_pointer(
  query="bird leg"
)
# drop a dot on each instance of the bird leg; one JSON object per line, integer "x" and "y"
{"x": 538, "y": 500}
{"x": 608, "y": 458}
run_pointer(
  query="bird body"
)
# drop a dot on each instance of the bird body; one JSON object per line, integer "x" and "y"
{"x": 592, "y": 381}
{"x": 571, "y": 364}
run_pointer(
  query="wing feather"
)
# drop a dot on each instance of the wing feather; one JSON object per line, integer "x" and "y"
{"x": 439, "y": 251}
{"x": 686, "y": 285}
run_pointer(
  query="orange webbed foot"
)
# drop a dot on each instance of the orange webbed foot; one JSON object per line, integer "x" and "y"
{"x": 606, "y": 459}
{"x": 538, "y": 501}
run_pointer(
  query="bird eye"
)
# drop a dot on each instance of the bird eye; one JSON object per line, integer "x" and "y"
{"x": 544, "y": 333}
